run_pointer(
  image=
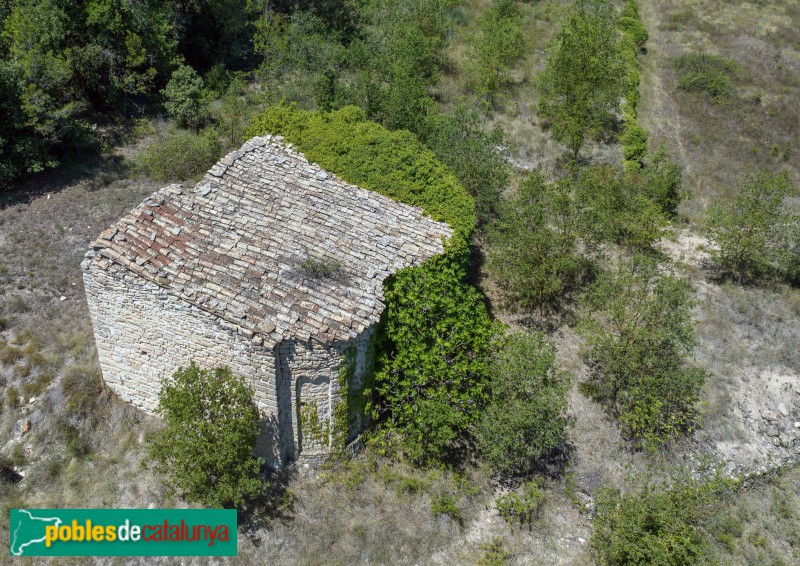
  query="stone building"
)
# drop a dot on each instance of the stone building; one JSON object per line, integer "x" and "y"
{"x": 269, "y": 265}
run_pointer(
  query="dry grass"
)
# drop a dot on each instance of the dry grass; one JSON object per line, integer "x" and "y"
{"x": 759, "y": 126}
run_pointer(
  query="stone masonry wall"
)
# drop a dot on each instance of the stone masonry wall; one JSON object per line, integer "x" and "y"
{"x": 144, "y": 333}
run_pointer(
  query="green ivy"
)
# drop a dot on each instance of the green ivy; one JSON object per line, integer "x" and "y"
{"x": 434, "y": 341}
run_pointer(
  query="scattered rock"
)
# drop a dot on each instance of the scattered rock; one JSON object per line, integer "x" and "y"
{"x": 62, "y": 298}
{"x": 783, "y": 410}
{"x": 22, "y": 427}
{"x": 769, "y": 415}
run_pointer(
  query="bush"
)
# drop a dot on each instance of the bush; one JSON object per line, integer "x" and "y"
{"x": 445, "y": 504}
{"x": 634, "y": 145}
{"x": 185, "y": 98}
{"x": 460, "y": 142}
{"x": 584, "y": 77}
{"x": 751, "y": 230}
{"x": 662, "y": 181}
{"x": 657, "y": 525}
{"x": 706, "y": 74}
{"x": 534, "y": 246}
{"x": 638, "y": 334}
{"x": 498, "y": 45}
{"x": 514, "y": 508}
{"x": 618, "y": 209}
{"x": 526, "y": 418}
{"x": 181, "y": 155}
{"x": 205, "y": 449}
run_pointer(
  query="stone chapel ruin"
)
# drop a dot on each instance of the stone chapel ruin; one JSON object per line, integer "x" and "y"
{"x": 269, "y": 265}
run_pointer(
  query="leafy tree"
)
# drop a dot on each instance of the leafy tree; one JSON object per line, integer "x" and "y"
{"x": 185, "y": 98}
{"x": 533, "y": 246}
{"x": 618, "y": 208}
{"x": 270, "y": 42}
{"x": 526, "y": 417}
{"x": 584, "y": 77}
{"x": 658, "y": 525}
{"x": 750, "y": 230}
{"x": 662, "y": 181}
{"x": 432, "y": 374}
{"x": 205, "y": 449}
{"x": 62, "y": 62}
{"x": 638, "y": 334}
{"x": 460, "y": 141}
{"x": 21, "y": 149}
{"x": 498, "y": 45}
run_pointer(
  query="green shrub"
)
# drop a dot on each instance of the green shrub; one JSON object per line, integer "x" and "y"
{"x": 521, "y": 510}
{"x": 662, "y": 181}
{"x": 526, "y": 418}
{"x": 635, "y": 28}
{"x": 618, "y": 209}
{"x": 634, "y": 145}
{"x": 657, "y": 525}
{"x": 497, "y": 46}
{"x": 494, "y": 553}
{"x": 445, "y": 504}
{"x": 706, "y": 74}
{"x": 205, "y": 450}
{"x": 639, "y": 333}
{"x": 180, "y": 155}
{"x": 533, "y": 249}
{"x": 751, "y": 231}
{"x": 431, "y": 369}
{"x": 185, "y": 98}
{"x": 584, "y": 77}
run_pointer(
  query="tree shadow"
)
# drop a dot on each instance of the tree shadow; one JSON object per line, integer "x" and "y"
{"x": 275, "y": 504}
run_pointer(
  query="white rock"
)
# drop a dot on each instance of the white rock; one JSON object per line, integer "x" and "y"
{"x": 62, "y": 298}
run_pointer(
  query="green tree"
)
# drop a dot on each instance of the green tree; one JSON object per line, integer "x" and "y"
{"x": 526, "y": 417}
{"x": 618, "y": 208}
{"x": 460, "y": 141}
{"x": 185, "y": 98}
{"x": 498, "y": 45}
{"x": 658, "y": 525}
{"x": 584, "y": 77}
{"x": 662, "y": 181}
{"x": 533, "y": 246}
{"x": 750, "y": 230}
{"x": 639, "y": 334}
{"x": 205, "y": 450}
{"x": 432, "y": 374}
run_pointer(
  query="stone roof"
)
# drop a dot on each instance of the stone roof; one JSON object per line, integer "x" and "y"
{"x": 249, "y": 241}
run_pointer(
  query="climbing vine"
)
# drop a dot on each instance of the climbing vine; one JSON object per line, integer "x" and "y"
{"x": 434, "y": 341}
